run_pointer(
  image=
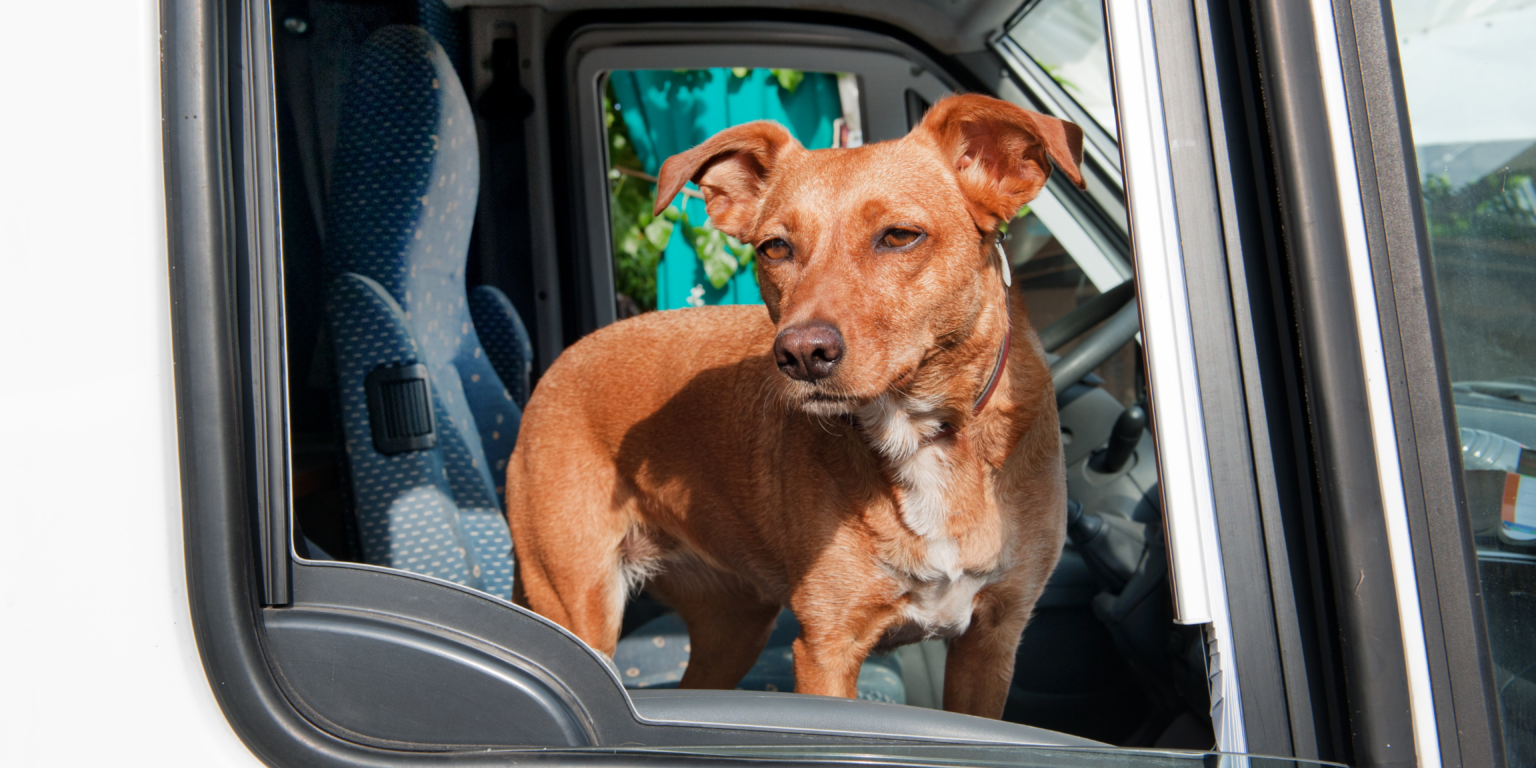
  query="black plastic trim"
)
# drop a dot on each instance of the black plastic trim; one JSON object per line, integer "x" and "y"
{"x": 253, "y": 111}
{"x": 1365, "y": 601}
{"x": 364, "y": 677}
{"x": 1266, "y": 346}
{"x": 1250, "y": 608}
{"x": 223, "y": 588}
{"x": 1461, "y": 672}
{"x": 592, "y": 689}
{"x": 400, "y": 408}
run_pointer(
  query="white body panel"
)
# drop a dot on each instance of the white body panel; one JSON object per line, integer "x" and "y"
{"x": 99, "y": 661}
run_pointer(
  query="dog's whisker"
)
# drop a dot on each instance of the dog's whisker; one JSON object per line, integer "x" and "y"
{"x": 822, "y": 421}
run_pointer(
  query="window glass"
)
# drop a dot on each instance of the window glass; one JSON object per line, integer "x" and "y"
{"x": 1054, "y": 284}
{"x": 678, "y": 259}
{"x": 1067, "y": 39}
{"x": 1472, "y": 105}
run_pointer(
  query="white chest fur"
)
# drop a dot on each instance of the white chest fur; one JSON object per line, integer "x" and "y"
{"x": 939, "y": 589}
{"x": 940, "y": 607}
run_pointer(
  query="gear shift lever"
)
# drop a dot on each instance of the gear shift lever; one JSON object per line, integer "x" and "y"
{"x": 1123, "y": 440}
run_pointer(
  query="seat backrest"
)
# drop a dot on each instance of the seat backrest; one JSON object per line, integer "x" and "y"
{"x": 405, "y": 178}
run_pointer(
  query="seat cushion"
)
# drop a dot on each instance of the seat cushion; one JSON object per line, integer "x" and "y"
{"x": 408, "y": 514}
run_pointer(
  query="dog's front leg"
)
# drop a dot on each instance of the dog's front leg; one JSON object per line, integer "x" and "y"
{"x": 837, "y": 632}
{"x": 979, "y": 667}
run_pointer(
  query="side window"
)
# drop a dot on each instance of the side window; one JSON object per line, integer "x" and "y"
{"x": 414, "y": 178}
{"x": 678, "y": 259}
{"x": 1056, "y": 282}
{"x": 1058, "y": 50}
{"x": 1473, "y": 116}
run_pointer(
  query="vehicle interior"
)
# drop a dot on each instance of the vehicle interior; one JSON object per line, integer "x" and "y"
{"x": 387, "y": 218}
{"x": 423, "y": 299}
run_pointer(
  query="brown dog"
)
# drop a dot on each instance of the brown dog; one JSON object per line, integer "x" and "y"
{"x": 869, "y": 449}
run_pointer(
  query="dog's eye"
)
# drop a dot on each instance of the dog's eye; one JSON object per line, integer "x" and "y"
{"x": 899, "y": 238}
{"x": 774, "y": 250}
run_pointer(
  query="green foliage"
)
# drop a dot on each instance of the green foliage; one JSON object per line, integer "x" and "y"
{"x": 1498, "y": 206}
{"x": 639, "y": 237}
{"x": 1050, "y": 69}
{"x": 723, "y": 255}
{"x": 789, "y": 79}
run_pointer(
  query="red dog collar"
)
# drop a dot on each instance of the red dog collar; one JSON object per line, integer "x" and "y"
{"x": 997, "y": 373}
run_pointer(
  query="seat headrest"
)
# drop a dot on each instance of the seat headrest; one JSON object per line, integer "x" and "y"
{"x": 405, "y": 179}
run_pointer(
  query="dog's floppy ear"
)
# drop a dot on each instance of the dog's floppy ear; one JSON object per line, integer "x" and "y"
{"x": 1000, "y": 152}
{"x": 731, "y": 170}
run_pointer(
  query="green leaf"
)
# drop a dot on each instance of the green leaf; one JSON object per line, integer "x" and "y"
{"x": 658, "y": 232}
{"x": 789, "y": 79}
{"x": 719, "y": 265}
{"x": 709, "y": 244}
{"x": 1050, "y": 69}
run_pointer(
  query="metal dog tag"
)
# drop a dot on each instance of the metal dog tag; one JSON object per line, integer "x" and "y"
{"x": 1002, "y": 258}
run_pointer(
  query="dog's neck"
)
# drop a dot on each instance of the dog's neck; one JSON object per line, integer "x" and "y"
{"x": 953, "y": 386}
{"x": 914, "y": 432}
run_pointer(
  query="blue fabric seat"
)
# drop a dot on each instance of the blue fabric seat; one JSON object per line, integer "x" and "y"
{"x": 505, "y": 339}
{"x": 405, "y": 178}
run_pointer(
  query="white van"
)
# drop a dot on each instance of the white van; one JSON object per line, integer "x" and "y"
{"x": 1291, "y": 319}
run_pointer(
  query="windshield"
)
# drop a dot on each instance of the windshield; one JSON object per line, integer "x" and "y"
{"x": 1474, "y": 127}
{"x": 1066, "y": 38}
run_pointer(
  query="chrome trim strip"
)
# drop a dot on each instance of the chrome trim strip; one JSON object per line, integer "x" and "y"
{"x": 1378, "y": 398}
{"x": 1189, "y": 506}
{"x": 1164, "y": 303}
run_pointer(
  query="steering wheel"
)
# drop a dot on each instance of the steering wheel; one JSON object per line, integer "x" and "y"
{"x": 1119, "y": 305}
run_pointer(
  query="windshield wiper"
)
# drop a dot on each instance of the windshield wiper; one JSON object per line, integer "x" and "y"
{"x": 1521, "y": 389}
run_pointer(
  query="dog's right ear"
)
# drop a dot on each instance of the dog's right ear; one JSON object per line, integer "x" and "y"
{"x": 731, "y": 169}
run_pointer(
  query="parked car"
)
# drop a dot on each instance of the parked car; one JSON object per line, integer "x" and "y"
{"x": 313, "y": 256}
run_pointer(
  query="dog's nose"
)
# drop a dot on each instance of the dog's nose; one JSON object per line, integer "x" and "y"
{"x": 808, "y": 352}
